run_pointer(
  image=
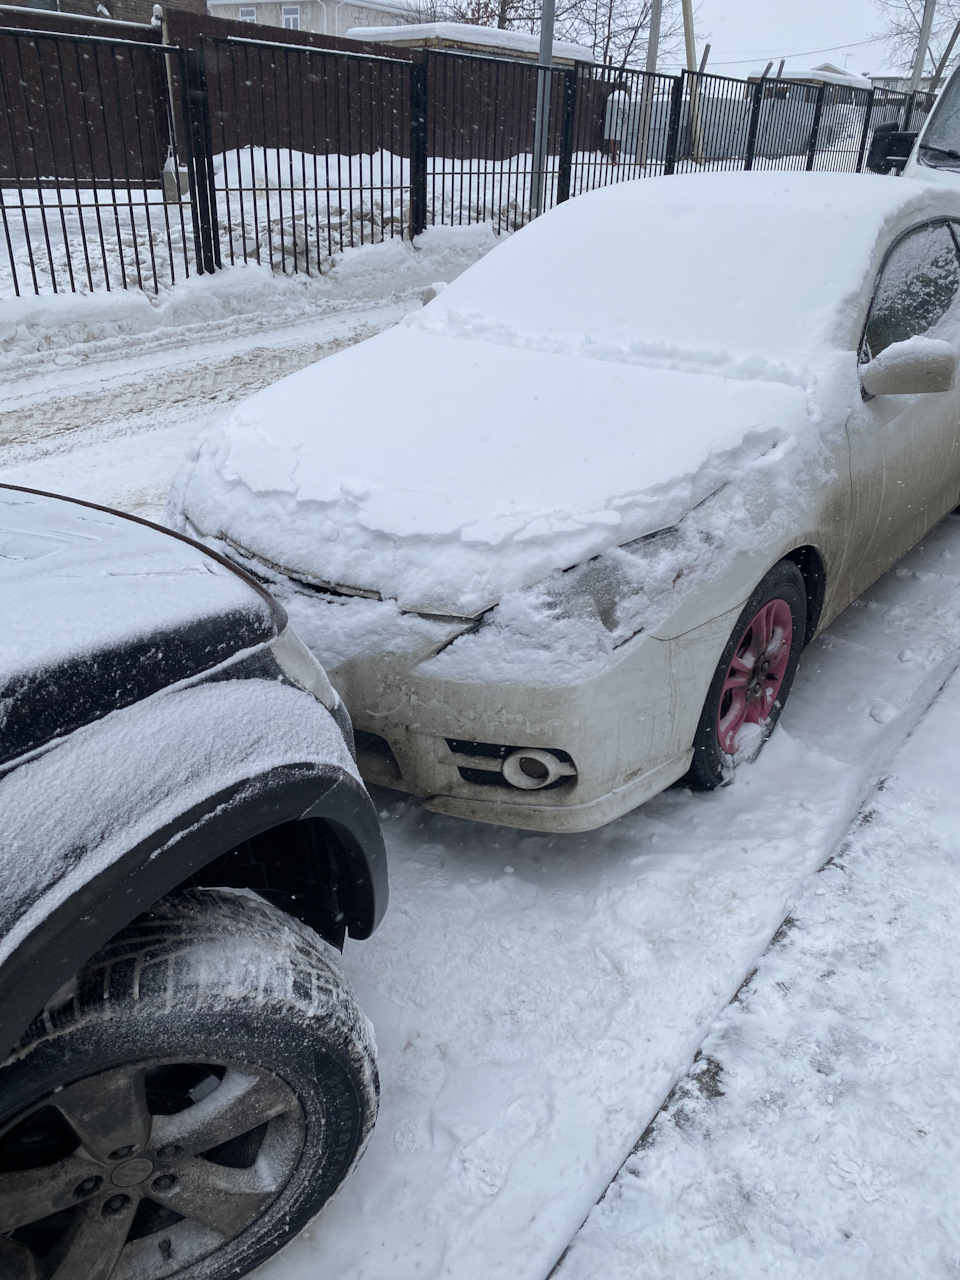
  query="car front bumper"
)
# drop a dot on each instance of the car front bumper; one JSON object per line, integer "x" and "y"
{"x": 621, "y": 733}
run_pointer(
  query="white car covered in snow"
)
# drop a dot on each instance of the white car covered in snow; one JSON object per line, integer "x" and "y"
{"x": 560, "y": 537}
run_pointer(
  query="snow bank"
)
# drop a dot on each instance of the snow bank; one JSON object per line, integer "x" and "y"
{"x": 52, "y": 322}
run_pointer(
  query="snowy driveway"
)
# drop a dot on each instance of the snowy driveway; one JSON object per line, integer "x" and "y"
{"x": 535, "y": 997}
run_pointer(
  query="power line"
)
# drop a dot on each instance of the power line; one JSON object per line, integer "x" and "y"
{"x": 802, "y": 53}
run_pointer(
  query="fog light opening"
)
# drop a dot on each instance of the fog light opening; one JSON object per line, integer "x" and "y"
{"x": 529, "y": 769}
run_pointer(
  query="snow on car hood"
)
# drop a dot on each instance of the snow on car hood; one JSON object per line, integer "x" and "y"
{"x": 102, "y": 610}
{"x": 442, "y": 473}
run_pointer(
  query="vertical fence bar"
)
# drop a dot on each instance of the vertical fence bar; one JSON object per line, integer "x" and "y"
{"x": 815, "y": 128}
{"x": 754, "y": 124}
{"x": 865, "y": 132}
{"x": 909, "y": 107}
{"x": 418, "y": 146}
{"x": 673, "y": 129}
{"x": 203, "y": 193}
{"x": 565, "y": 158}
{"x": 192, "y": 177}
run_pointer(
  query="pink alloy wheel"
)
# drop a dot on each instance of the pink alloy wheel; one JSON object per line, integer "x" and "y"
{"x": 753, "y": 679}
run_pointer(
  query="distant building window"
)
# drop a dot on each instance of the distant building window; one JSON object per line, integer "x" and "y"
{"x": 291, "y": 17}
{"x": 248, "y": 14}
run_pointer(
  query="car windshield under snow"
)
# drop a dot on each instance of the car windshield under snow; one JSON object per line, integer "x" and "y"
{"x": 708, "y": 270}
{"x": 940, "y": 147}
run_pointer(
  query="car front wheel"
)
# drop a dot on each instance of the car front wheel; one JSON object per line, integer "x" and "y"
{"x": 194, "y": 1099}
{"x": 752, "y": 679}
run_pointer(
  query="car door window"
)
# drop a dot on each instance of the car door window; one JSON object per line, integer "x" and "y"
{"x": 918, "y": 285}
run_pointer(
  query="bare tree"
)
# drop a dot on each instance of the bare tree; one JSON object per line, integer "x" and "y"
{"x": 616, "y": 30}
{"x": 901, "y": 29}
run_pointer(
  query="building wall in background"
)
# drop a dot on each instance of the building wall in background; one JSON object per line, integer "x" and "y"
{"x": 325, "y": 17}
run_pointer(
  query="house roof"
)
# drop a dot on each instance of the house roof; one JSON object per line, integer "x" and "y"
{"x": 465, "y": 35}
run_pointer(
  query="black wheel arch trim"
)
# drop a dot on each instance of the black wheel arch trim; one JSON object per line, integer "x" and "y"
{"x": 809, "y": 561}
{"x": 351, "y": 888}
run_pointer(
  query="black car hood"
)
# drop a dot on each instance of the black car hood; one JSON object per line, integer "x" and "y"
{"x": 101, "y": 610}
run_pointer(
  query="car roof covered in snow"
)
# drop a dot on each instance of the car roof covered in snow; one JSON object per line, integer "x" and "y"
{"x": 102, "y": 609}
{"x": 718, "y": 267}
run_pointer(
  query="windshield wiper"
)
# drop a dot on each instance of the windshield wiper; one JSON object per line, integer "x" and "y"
{"x": 941, "y": 151}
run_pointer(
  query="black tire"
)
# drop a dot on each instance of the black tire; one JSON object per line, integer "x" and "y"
{"x": 213, "y": 1019}
{"x": 711, "y": 766}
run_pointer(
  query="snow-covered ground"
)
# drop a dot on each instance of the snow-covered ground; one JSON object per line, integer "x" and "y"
{"x": 815, "y": 1133}
{"x": 536, "y": 997}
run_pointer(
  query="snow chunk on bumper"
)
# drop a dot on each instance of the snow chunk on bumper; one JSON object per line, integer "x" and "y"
{"x": 443, "y": 473}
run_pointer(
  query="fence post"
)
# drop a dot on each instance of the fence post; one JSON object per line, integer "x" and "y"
{"x": 565, "y": 159}
{"x": 815, "y": 130}
{"x": 866, "y": 131}
{"x": 754, "y": 124}
{"x": 673, "y": 129}
{"x": 909, "y": 108}
{"x": 418, "y": 145}
{"x": 203, "y": 192}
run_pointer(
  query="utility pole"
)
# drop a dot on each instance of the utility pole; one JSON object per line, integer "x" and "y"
{"x": 928, "y": 9}
{"x": 653, "y": 40}
{"x": 646, "y": 101}
{"x": 542, "y": 124}
{"x": 691, "y": 51}
{"x": 688, "y": 36}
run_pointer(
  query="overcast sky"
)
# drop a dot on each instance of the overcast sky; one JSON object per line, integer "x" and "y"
{"x": 746, "y": 34}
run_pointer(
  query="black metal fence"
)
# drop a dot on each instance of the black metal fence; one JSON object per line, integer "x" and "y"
{"x": 310, "y": 150}
{"x": 94, "y": 190}
{"x": 129, "y": 162}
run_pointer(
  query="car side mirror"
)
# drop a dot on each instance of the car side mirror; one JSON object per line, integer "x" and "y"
{"x": 910, "y": 368}
{"x": 890, "y": 148}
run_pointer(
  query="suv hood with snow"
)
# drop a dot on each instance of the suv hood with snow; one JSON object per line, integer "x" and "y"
{"x": 101, "y": 610}
{"x": 442, "y": 472}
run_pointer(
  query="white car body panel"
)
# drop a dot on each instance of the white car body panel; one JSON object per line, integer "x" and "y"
{"x": 813, "y": 466}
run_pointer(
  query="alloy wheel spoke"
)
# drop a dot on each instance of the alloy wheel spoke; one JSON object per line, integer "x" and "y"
{"x": 108, "y": 1112}
{"x": 743, "y": 663}
{"x": 94, "y": 1243}
{"x": 735, "y": 680}
{"x": 227, "y": 1200}
{"x": 31, "y": 1194}
{"x": 240, "y": 1103}
{"x": 730, "y": 725}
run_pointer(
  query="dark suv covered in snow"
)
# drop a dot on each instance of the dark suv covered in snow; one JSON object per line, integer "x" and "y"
{"x": 185, "y": 1078}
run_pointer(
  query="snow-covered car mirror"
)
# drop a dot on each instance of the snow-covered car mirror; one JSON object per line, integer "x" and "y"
{"x": 910, "y": 368}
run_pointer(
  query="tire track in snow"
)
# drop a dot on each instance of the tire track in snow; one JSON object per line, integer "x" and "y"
{"x": 39, "y": 412}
